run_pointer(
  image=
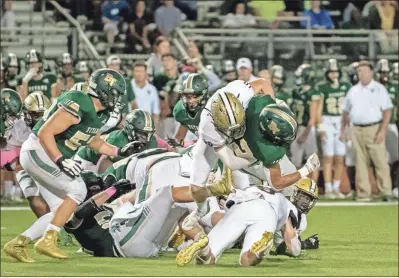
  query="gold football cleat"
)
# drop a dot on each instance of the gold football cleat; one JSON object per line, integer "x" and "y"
{"x": 262, "y": 246}
{"x": 225, "y": 185}
{"x": 17, "y": 248}
{"x": 187, "y": 254}
{"x": 47, "y": 245}
{"x": 177, "y": 238}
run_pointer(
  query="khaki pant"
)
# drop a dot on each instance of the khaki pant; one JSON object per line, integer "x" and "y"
{"x": 366, "y": 149}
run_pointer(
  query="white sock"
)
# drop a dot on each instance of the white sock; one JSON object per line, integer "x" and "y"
{"x": 337, "y": 185}
{"x": 8, "y": 188}
{"x": 328, "y": 187}
{"x": 53, "y": 227}
{"x": 38, "y": 228}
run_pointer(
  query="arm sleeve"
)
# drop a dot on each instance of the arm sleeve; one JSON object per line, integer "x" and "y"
{"x": 328, "y": 20}
{"x": 240, "y": 89}
{"x": 72, "y": 106}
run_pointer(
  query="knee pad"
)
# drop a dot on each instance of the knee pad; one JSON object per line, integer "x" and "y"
{"x": 77, "y": 190}
{"x": 27, "y": 184}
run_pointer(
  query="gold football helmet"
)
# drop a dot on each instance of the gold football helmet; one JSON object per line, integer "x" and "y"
{"x": 228, "y": 115}
{"x": 34, "y": 106}
{"x": 305, "y": 195}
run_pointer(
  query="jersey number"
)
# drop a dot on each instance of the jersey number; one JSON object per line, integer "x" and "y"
{"x": 334, "y": 105}
{"x": 241, "y": 149}
{"x": 103, "y": 219}
{"x": 76, "y": 140}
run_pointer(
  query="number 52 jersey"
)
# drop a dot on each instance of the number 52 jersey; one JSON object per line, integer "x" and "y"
{"x": 81, "y": 106}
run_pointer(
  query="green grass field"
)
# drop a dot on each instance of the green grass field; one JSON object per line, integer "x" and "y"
{"x": 355, "y": 241}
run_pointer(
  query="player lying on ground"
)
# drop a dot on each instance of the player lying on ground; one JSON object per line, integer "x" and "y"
{"x": 259, "y": 214}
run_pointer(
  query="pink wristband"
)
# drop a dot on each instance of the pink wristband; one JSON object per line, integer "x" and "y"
{"x": 116, "y": 150}
{"x": 110, "y": 191}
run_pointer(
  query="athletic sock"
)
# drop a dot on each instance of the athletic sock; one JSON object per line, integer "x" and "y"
{"x": 328, "y": 187}
{"x": 337, "y": 185}
{"x": 53, "y": 227}
{"x": 38, "y": 228}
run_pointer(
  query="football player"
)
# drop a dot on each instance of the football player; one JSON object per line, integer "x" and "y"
{"x": 35, "y": 80}
{"x": 383, "y": 74}
{"x": 10, "y": 69}
{"x": 278, "y": 80}
{"x": 83, "y": 69}
{"x": 67, "y": 79}
{"x": 187, "y": 111}
{"x": 333, "y": 92}
{"x": 10, "y": 107}
{"x": 46, "y": 156}
{"x": 304, "y": 106}
{"x": 270, "y": 214}
{"x": 229, "y": 72}
{"x": 139, "y": 128}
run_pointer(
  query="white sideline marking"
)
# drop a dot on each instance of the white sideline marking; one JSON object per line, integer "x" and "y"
{"x": 326, "y": 204}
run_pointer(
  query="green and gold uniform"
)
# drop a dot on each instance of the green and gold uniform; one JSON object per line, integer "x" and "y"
{"x": 283, "y": 94}
{"x": 393, "y": 94}
{"x": 301, "y": 104}
{"x": 42, "y": 85}
{"x": 80, "y": 105}
{"x": 333, "y": 98}
{"x": 191, "y": 122}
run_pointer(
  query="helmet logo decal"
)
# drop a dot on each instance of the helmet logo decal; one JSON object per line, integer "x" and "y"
{"x": 109, "y": 78}
{"x": 6, "y": 97}
{"x": 273, "y": 127}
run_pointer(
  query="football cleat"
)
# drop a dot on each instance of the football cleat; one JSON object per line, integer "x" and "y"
{"x": 17, "y": 248}
{"x": 64, "y": 238}
{"x": 47, "y": 245}
{"x": 225, "y": 185}
{"x": 177, "y": 238}
{"x": 187, "y": 254}
{"x": 263, "y": 246}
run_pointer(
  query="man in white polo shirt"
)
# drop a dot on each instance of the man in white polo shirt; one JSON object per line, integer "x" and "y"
{"x": 244, "y": 70}
{"x": 368, "y": 106}
{"x": 146, "y": 94}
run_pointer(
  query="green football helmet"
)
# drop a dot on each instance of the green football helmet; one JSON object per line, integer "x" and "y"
{"x": 304, "y": 75}
{"x": 93, "y": 181}
{"x": 277, "y": 75}
{"x": 351, "y": 71}
{"x": 139, "y": 126}
{"x": 277, "y": 124}
{"x": 108, "y": 86}
{"x": 10, "y": 106}
{"x": 33, "y": 56}
{"x": 82, "y": 67}
{"x": 382, "y": 71}
{"x": 332, "y": 66}
{"x": 194, "y": 92}
{"x": 11, "y": 66}
{"x": 65, "y": 65}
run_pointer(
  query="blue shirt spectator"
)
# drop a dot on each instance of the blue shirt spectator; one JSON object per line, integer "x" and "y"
{"x": 167, "y": 17}
{"x": 319, "y": 19}
{"x": 112, "y": 9}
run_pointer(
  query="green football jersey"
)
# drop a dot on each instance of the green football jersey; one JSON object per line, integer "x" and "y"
{"x": 2, "y": 128}
{"x": 263, "y": 150}
{"x": 128, "y": 97}
{"x": 186, "y": 119}
{"x": 393, "y": 94}
{"x": 283, "y": 94}
{"x": 43, "y": 85}
{"x": 301, "y": 104}
{"x": 333, "y": 98}
{"x": 80, "y": 105}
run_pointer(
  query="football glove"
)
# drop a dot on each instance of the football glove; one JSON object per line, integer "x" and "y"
{"x": 174, "y": 143}
{"x": 311, "y": 242}
{"x": 123, "y": 186}
{"x": 131, "y": 148}
{"x": 70, "y": 167}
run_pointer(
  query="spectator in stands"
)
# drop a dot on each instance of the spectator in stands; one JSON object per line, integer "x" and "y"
{"x": 167, "y": 17}
{"x": 154, "y": 63}
{"x": 239, "y": 18}
{"x": 384, "y": 16}
{"x": 295, "y": 6}
{"x": 244, "y": 70}
{"x": 111, "y": 17}
{"x": 188, "y": 7}
{"x": 146, "y": 94}
{"x": 166, "y": 84}
{"x": 8, "y": 17}
{"x": 138, "y": 27}
{"x": 319, "y": 19}
{"x": 370, "y": 130}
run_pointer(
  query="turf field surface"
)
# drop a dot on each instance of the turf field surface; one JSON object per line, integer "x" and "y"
{"x": 354, "y": 241}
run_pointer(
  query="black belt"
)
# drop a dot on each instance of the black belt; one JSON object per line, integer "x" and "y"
{"x": 366, "y": 125}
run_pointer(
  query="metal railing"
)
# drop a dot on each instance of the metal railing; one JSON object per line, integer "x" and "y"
{"x": 89, "y": 48}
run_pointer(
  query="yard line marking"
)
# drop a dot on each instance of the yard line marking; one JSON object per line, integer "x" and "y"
{"x": 14, "y": 208}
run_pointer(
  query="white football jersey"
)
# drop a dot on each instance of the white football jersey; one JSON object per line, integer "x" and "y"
{"x": 17, "y": 135}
